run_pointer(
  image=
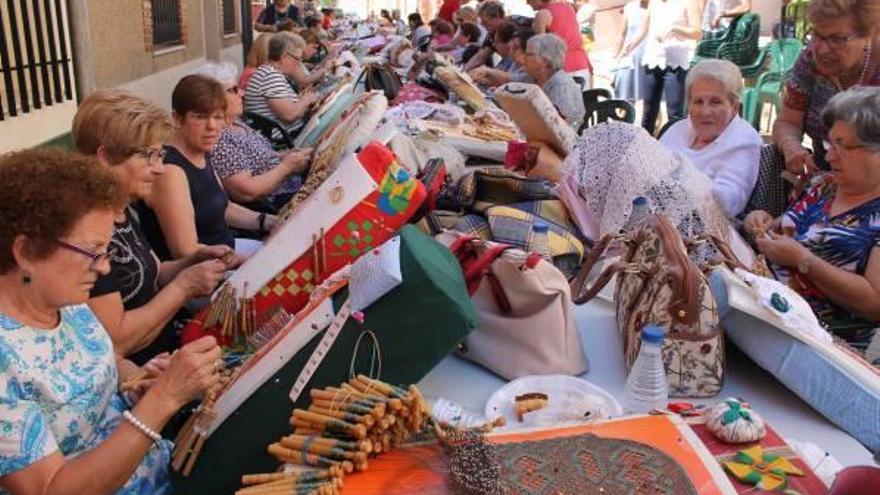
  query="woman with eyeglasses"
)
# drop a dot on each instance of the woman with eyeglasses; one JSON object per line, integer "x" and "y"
{"x": 827, "y": 245}
{"x": 247, "y": 165}
{"x": 65, "y": 429}
{"x": 138, "y": 300}
{"x": 188, "y": 208}
{"x": 843, "y": 50}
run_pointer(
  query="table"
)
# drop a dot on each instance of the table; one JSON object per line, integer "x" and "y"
{"x": 471, "y": 385}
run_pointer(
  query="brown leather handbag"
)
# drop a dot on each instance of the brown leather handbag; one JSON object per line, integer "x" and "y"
{"x": 658, "y": 284}
{"x": 381, "y": 77}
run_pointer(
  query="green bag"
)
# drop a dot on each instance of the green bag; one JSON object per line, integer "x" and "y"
{"x": 417, "y": 324}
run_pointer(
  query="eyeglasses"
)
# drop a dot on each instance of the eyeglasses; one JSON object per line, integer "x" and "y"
{"x": 831, "y": 145}
{"x": 152, "y": 155}
{"x": 294, "y": 56}
{"x": 96, "y": 258}
{"x": 234, "y": 90}
{"x": 836, "y": 41}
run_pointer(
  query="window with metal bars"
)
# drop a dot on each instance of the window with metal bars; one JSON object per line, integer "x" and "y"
{"x": 166, "y": 23}
{"x": 229, "y": 26}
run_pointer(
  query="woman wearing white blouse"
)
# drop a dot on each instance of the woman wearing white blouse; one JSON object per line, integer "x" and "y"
{"x": 720, "y": 144}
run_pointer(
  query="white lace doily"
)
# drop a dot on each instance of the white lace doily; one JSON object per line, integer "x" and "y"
{"x": 615, "y": 162}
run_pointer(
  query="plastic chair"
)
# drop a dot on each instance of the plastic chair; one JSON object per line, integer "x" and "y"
{"x": 743, "y": 51}
{"x": 604, "y": 111}
{"x": 272, "y": 129}
{"x": 771, "y": 191}
{"x": 595, "y": 95}
{"x": 739, "y": 30}
{"x": 781, "y": 56}
{"x": 669, "y": 123}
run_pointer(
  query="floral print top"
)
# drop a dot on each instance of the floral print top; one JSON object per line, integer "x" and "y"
{"x": 58, "y": 393}
{"x": 242, "y": 149}
{"x": 808, "y": 91}
{"x": 844, "y": 240}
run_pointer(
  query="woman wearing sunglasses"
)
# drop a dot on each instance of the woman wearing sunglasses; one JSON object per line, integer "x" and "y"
{"x": 66, "y": 430}
{"x": 843, "y": 51}
{"x": 139, "y": 298}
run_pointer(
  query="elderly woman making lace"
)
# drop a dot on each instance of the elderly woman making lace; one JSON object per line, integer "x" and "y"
{"x": 65, "y": 428}
{"x": 843, "y": 51}
{"x": 719, "y": 143}
{"x": 545, "y": 58}
{"x": 826, "y": 245}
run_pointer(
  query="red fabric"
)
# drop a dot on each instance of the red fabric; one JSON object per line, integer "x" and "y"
{"x": 517, "y": 155}
{"x": 448, "y": 10}
{"x": 565, "y": 25}
{"x": 413, "y": 92}
{"x": 245, "y": 77}
{"x": 325, "y": 23}
{"x": 373, "y": 221}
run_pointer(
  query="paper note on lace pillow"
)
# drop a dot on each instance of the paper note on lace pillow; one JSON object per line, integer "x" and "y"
{"x": 375, "y": 274}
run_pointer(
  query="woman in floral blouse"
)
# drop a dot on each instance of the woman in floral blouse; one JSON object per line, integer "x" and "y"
{"x": 249, "y": 168}
{"x": 843, "y": 51}
{"x": 63, "y": 427}
{"x": 826, "y": 245}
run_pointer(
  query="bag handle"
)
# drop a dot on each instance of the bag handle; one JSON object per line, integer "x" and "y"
{"x": 727, "y": 255}
{"x": 580, "y": 280}
{"x": 474, "y": 273}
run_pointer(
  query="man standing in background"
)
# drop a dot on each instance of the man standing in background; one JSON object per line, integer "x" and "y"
{"x": 278, "y": 16}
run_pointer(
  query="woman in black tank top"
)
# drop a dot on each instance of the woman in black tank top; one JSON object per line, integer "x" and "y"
{"x": 188, "y": 207}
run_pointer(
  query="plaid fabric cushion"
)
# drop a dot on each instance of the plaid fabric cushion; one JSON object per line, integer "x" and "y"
{"x": 514, "y": 226}
{"x": 480, "y": 189}
{"x": 552, "y": 210}
{"x": 771, "y": 191}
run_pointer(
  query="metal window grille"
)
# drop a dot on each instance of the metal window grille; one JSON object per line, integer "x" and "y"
{"x": 36, "y": 68}
{"x": 229, "y": 17}
{"x": 166, "y": 23}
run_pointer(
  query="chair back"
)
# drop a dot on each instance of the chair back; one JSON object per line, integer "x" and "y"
{"x": 595, "y": 95}
{"x": 784, "y": 53}
{"x": 271, "y": 128}
{"x": 604, "y": 111}
{"x": 771, "y": 191}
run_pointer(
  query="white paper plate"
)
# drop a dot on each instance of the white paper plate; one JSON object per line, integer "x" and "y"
{"x": 570, "y": 399}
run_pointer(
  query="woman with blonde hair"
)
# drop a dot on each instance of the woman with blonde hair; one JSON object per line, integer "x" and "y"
{"x": 843, "y": 50}
{"x": 140, "y": 296}
{"x": 257, "y": 56}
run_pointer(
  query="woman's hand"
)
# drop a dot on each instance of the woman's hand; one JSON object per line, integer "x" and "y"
{"x": 798, "y": 160}
{"x": 149, "y": 373}
{"x": 193, "y": 369}
{"x": 220, "y": 252}
{"x": 200, "y": 279}
{"x": 758, "y": 222}
{"x": 297, "y": 161}
{"x": 782, "y": 250}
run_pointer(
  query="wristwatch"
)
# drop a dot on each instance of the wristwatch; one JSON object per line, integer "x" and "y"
{"x": 804, "y": 264}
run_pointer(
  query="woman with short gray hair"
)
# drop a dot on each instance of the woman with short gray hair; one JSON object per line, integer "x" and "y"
{"x": 716, "y": 139}
{"x": 826, "y": 244}
{"x": 544, "y": 61}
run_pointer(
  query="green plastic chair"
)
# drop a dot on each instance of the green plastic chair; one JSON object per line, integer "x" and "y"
{"x": 739, "y": 43}
{"x": 606, "y": 110}
{"x": 780, "y": 56}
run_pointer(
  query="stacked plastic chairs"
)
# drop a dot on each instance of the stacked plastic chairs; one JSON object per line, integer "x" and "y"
{"x": 771, "y": 68}
{"x": 739, "y": 43}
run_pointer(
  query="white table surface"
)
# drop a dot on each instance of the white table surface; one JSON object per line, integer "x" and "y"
{"x": 471, "y": 385}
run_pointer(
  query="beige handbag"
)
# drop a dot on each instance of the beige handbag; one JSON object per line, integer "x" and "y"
{"x": 524, "y": 310}
{"x": 658, "y": 284}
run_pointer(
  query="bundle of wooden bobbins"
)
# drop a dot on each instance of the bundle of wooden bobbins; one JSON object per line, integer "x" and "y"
{"x": 341, "y": 428}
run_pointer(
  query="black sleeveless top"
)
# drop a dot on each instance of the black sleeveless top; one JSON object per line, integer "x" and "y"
{"x": 209, "y": 202}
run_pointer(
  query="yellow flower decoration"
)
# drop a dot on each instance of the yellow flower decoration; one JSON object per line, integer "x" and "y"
{"x": 765, "y": 471}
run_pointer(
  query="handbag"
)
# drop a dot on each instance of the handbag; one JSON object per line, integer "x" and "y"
{"x": 381, "y": 77}
{"x": 524, "y": 311}
{"x": 658, "y": 284}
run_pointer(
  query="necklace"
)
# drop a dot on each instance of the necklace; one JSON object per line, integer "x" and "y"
{"x": 868, "y": 47}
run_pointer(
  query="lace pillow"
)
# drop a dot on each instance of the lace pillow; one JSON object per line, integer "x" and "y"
{"x": 375, "y": 274}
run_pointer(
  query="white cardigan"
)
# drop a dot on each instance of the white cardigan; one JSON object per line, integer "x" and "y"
{"x": 731, "y": 161}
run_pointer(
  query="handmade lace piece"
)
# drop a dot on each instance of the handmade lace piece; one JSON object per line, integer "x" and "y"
{"x": 613, "y": 163}
{"x": 570, "y": 465}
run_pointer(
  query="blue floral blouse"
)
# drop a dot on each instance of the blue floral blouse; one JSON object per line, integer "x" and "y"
{"x": 58, "y": 393}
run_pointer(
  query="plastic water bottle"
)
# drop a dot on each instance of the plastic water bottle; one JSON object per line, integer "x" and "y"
{"x": 541, "y": 240}
{"x": 646, "y": 387}
{"x": 641, "y": 208}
